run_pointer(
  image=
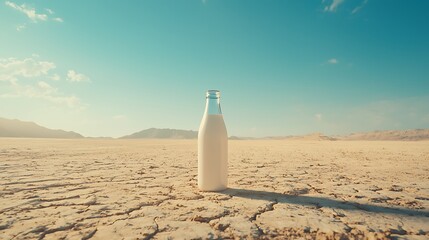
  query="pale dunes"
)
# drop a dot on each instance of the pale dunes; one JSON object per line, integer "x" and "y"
{"x": 141, "y": 189}
{"x": 398, "y": 135}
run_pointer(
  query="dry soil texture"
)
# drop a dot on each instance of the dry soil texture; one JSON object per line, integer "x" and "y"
{"x": 141, "y": 189}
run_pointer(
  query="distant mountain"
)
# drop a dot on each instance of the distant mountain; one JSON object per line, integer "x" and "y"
{"x": 315, "y": 137}
{"x": 405, "y": 135}
{"x": 20, "y": 129}
{"x": 163, "y": 133}
{"x": 309, "y": 137}
{"x": 241, "y": 138}
{"x": 398, "y": 135}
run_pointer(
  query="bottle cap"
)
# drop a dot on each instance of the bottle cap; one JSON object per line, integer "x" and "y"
{"x": 213, "y": 94}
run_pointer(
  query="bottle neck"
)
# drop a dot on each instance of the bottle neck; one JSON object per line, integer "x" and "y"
{"x": 213, "y": 106}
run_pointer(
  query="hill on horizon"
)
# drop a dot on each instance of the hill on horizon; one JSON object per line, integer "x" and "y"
{"x": 164, "y": 133}
{"x": 21, "y": 129}
{"x": 390, "y": 135}
{"x": 309, "y": 137}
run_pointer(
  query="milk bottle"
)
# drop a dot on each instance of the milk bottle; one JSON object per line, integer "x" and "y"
{"x": 212, "y": 146}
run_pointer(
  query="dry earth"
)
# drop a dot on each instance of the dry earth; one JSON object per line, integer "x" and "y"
{"x": 141, "y": 189}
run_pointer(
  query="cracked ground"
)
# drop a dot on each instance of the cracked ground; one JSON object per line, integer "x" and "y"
{"x": 143, "y": 189}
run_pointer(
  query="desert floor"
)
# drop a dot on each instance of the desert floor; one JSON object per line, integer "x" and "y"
{"x": 136, "y": 189}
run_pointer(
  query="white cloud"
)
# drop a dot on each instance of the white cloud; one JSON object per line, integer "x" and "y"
{"x": 21, "y": 27}
{"x": 30, "y": 12}
{"x": 58, "y": 19}
{"x": 318, "y": 116}
{"x": 333, "y": 61}
{"x": 55, "y": 77}
{"x": 14, "y": 72}
{"x": 45, "y": 92}
{"x": 49, "y": 11}
{"x": 46, "y": 87}
{"x": 11, "y": 68}
{"x": 334, "y": 5}
{"x": 73, "y": 76}
{"x": 358, "y": 8}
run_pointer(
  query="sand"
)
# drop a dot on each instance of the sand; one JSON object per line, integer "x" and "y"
{"x": 139, "y": 189}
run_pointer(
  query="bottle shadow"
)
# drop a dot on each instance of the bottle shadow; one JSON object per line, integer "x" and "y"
{"x": 320, "y": 202}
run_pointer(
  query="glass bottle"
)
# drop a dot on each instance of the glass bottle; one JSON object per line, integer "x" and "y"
{"x": 212, "y": 146}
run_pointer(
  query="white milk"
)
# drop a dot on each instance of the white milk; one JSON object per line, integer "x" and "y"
{"x": 212, "y": 153}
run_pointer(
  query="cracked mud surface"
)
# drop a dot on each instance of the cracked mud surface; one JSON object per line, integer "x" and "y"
{"x": 143, "y": 189}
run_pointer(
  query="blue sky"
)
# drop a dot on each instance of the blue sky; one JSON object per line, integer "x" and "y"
{"x": 105, "y": 68}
